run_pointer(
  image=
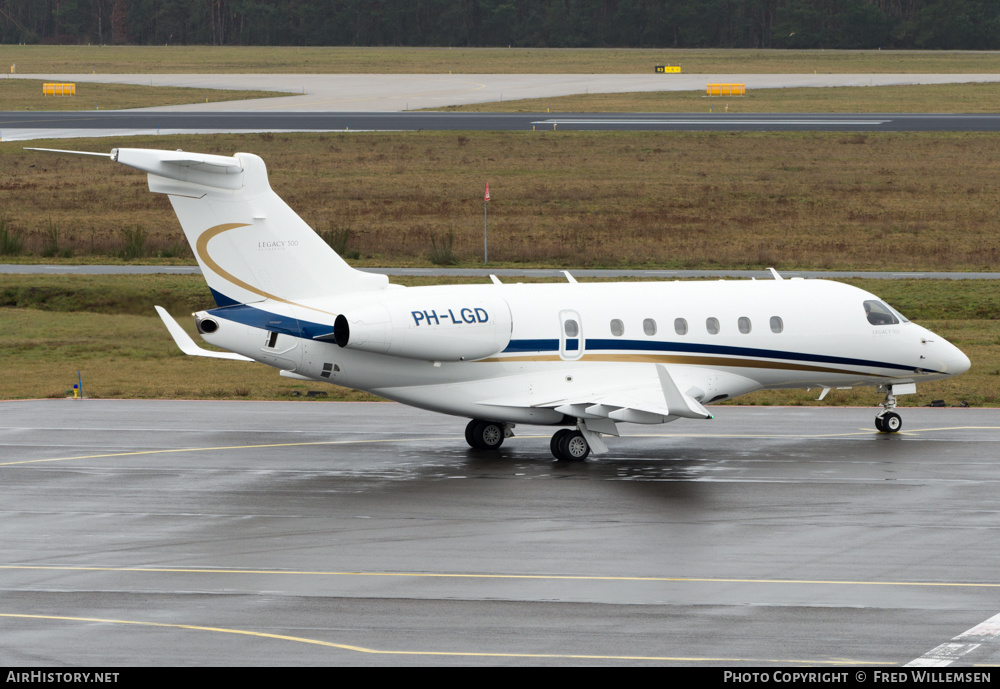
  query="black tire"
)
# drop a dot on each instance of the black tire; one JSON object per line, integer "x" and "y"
{"x": 574, "y": 447}
{"x": 488, "y": 435}
{"x": 556, "y": 440}
{"x": 470, "y": 436}
{"x": 892, "y": 422}
{"x": 879, "y": 426}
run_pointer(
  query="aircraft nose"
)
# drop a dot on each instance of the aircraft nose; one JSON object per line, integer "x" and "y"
{"x": 956, "y": 361}
{"x": 950, "y": 360}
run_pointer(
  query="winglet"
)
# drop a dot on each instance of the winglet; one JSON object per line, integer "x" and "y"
{"x": 187, "y": 345}
{"x": 679, "y": 403}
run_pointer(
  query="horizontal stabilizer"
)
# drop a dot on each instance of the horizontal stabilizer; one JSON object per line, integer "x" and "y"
{"x": 187, "y": 345}
{"x": 75, "y": 153}
{"x": 170, "y": 164}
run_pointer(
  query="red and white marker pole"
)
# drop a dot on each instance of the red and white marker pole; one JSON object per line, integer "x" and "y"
{"x": 486, "y": 249}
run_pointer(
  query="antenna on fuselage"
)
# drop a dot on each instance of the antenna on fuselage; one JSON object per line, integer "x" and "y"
{"x": 775, "y": 274}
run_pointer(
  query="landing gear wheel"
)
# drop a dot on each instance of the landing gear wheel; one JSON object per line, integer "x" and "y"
{"x": 484, "y": 435}
{"x": 891, "y": 422}
{"x": 556, "y": 439}
{"x": 888, "y": 421}
{"x": 572, "y": 446}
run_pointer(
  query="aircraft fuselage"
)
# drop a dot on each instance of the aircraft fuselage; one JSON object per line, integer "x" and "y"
{"x": 721, "y": 339}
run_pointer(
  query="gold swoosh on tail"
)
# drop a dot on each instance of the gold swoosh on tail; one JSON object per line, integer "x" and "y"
{"x": 201, "y": 248}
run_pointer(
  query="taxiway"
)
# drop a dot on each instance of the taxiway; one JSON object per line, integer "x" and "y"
{"x": 243, "y": 533}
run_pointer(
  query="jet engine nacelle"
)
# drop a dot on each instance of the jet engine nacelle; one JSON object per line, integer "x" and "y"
{"x": 445, "y": 329}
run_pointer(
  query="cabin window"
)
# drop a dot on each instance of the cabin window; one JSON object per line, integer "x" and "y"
{"x": 712, "y": 325}
{"x": 879, "y": 313}
{"x": 680, "y": 326}
{"x": 617, "y": 328}
{"x": 649, "y": 327}
{"x": 571, "y": 341}
{"x": 776, "y": 324}
{"x": 744, "y": 325}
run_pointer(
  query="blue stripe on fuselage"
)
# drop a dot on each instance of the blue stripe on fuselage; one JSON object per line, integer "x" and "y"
{"x": 604, "y": 345}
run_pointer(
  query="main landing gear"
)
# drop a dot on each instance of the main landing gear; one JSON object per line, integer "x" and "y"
{"x": 888, "y": 421}
{"x": 567, "y": 444}
{"x": 486, "y": 435}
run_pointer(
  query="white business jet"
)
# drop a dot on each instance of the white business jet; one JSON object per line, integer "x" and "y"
{"x": 586, "y": 357}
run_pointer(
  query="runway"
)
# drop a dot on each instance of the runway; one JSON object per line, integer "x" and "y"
{"x": 23, "y": 126}
{"x": 311, "y": 533}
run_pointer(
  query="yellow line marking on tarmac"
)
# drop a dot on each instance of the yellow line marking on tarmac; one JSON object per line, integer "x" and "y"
{"x": 228, "y": 447}
{"x": 860, "y": 432}
{"x": 460, "y": 575}
{"x": 464, "y": 654}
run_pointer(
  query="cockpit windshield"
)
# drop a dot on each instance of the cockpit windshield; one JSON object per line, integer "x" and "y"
{"x": 880, "y": 313}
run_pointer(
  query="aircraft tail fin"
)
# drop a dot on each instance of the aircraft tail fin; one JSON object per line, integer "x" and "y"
{"x": 249, "y": 243}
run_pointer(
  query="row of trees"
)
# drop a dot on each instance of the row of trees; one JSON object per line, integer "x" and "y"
{"x": 937, "y": 24}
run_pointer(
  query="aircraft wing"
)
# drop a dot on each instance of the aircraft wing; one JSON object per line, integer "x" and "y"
{"x": 659, "y": 402}
{"x": 187, "y": 345}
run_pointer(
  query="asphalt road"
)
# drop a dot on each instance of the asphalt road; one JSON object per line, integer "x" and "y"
{"x": 24, "y": 125}
{"x": 310, "y": 533}
{"x": 42, "y": 269}
{"x": 399, "y": 92}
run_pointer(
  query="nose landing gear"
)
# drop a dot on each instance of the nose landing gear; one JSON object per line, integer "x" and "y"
{"x": 888, "y": 421}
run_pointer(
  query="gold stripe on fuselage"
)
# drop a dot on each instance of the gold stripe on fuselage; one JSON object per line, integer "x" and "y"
{"x": 709, "y": 361}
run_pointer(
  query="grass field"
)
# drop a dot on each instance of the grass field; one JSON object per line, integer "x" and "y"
{"x": 105, "y": 327}
{"x": 26, "y": 94}
{"x": 934, "y": 98}
{"x": 46, "y": 59}
{"x": 639, "y": 199}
